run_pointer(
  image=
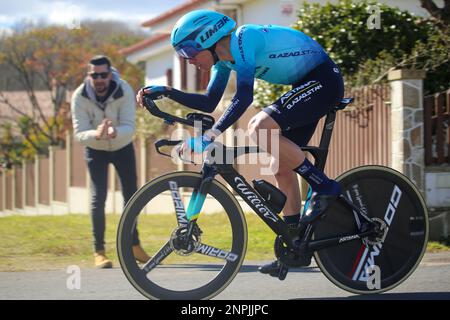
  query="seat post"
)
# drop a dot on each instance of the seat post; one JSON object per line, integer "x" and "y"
{"x": 327, "y": 131}
{"x": 325, "y": 139}
{"x": 321, "y": 153}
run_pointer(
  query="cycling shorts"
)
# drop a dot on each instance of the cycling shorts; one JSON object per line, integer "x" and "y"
{"x": 298, "y": 111}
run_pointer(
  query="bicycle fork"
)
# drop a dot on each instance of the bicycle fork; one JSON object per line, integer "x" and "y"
{"x": 198, "y": 199}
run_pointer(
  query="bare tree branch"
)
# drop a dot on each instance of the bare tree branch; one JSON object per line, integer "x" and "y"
{"x": 399, "y": 64}
{"x": 5, "y": 100}
{"x": 7, "y": 118}
{"x": 440, "y": 14}
{"x": 430, "y": 6}
{"x": 35, "y": 125}
{"x": 33, "y": 144}
{"x": 27, "y": 80}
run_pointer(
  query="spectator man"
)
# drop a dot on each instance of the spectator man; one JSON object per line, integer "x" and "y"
{"x": 103, "y": 115}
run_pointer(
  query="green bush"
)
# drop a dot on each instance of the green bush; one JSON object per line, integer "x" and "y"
{"x": 343, "y": 32}
{"x": 365, "y": 55}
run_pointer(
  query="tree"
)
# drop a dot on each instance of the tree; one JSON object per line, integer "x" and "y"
{"x": 50, "y": 59}
{"x": 113, "y": 32}
{"x": 436, "y": 50}
{"x": 10, "y": 145}
{"x": 431, "y": 54}
{"x": 440, "y": 15}
{"x": 342, "y": 30}
{"x": 108, "y": 37}
{"x": 53, "y": 59}
{"x": 152, "y": 127}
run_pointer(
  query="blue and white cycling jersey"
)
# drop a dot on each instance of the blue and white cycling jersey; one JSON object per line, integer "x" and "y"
{"x": 273, "y": 53}
{"x": 276, "y": 54}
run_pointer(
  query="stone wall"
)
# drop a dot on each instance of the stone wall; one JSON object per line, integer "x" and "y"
{"x": 407, "y": 124}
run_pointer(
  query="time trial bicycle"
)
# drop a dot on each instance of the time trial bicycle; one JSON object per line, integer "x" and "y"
{"x": 368, "y": 241}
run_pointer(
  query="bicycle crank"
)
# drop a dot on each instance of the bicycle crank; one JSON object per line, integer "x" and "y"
{"x": 290, "y": 257}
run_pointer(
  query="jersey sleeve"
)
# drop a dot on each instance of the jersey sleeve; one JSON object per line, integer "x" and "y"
{"x": 214, "y": 92}
{"x": 249, "y": 41}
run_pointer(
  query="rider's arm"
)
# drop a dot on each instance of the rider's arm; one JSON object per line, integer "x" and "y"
{"x": 214, "y": 92}
{"x": 240, "y": 102}
{"x": 249, "y": 42}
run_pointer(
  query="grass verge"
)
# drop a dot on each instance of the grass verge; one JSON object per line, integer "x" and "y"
{"x": 439, "y": 246}
{"x": 55, "y": 242}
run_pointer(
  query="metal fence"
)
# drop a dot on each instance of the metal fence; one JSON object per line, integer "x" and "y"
{"x": 361, "y": 136}
{"x": 437, "y": 132}
{"x": 362, "y": 131}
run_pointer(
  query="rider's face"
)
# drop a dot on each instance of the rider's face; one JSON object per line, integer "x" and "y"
{"x": 203, "y": 60}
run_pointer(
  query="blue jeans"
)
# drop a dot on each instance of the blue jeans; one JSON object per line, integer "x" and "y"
{"x": 97, "y": 161}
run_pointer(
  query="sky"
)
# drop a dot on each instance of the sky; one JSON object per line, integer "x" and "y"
{"x": 68, "y": 12}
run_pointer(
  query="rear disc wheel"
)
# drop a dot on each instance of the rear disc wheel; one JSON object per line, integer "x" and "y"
{"x": 378, "y": 263}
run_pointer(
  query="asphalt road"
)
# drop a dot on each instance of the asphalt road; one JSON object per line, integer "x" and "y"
{"x": 431, "y": 280}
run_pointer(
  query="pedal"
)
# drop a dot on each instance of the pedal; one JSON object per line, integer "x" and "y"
{"x": 276, "y": 269}
{"x": 282, "y": 273}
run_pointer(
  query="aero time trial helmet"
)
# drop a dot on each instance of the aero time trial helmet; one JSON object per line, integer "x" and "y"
{"x": 199, "y": 30}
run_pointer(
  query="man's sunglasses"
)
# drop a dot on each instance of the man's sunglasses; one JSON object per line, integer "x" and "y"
{"x": 95, "y": 75}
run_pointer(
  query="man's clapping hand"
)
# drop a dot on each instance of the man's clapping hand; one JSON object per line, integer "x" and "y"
{"x": 106, "y": 130}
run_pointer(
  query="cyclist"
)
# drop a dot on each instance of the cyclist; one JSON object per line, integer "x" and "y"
{"x": 276, "y": 54}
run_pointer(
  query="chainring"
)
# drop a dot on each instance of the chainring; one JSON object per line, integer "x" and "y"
{"x": 290, "y": 257}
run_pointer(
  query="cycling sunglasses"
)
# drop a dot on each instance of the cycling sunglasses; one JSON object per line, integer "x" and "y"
{"x": 188, "y": 49}
{"x": 95, "y": 75}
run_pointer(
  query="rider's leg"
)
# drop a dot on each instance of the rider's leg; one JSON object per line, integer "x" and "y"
{"x": 288, "y": 158}
{"x": 294, "y": 117}
{"x": 287, "y": 182}
{"x": 289, "y": 154}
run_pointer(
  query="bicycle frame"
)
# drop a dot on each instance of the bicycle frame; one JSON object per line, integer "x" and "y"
{"x": 238, "y": 183}
{"x": 272, "y": 220}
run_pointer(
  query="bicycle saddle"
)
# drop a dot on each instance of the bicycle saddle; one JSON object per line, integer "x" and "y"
{"x": 344, "y": 103}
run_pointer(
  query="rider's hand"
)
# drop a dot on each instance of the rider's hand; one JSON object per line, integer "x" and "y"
{"x": 153, "y": 92}
{"x": 194, "y": 145}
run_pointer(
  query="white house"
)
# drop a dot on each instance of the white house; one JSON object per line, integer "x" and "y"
{"x": 163, "y": 67}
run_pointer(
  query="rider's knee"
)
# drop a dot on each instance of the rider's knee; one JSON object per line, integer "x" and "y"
{"x": 254, "y": 125}
{"x": 281, "y": 172}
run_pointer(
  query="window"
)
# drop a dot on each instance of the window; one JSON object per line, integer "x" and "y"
{"x": 183, "y": 73}
{"x": 201, "y": 79}
{"x": 169, "y": 77}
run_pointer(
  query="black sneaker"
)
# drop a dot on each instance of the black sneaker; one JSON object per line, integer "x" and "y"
{"x": 275, "y": 269}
